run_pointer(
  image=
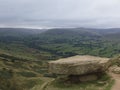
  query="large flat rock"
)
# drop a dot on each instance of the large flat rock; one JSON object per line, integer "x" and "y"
{"x": 79, "y": 65}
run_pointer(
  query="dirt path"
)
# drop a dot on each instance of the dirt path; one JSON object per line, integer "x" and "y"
{"x": 47, "y": 81}
{"x": 43, "y": 87}
{"x": 116, "y": 77}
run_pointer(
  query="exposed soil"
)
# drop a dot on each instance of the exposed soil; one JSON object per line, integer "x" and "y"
{"x": 116, "y": 77}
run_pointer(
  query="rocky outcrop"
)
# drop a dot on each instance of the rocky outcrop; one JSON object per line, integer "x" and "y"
{"x": 79, "y": 65}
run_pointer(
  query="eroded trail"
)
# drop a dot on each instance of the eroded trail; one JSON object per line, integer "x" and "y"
{"x": 47, "y": 81}
{"x": 116, "y": 85}
{"x": 43, "y": 87}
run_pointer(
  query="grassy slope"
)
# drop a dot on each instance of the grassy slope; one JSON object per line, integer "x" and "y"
{"x": 28, "y": 75}
{"x": 19, "y": 74}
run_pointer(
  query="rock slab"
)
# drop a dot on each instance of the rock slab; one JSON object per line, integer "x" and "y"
{"x": 79, "y": 65}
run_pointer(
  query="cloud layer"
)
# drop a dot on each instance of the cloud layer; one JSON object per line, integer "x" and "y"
{"x": 89, "y": 13}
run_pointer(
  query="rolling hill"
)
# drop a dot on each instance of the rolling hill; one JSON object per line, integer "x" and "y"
{"x": 61, "y": 42}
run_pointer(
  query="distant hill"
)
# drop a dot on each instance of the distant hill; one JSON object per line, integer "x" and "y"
{"x": 19, "y": 31}
{"x": 17, "y": 34}
{"x": 60, "y": 42}
{"x": 102, "y": 31}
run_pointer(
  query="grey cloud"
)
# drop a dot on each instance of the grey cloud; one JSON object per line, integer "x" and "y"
{"x": 89, "y": 13}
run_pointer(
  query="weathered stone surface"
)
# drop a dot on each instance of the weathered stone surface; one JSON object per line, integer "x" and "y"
{"x": 115, "y": 69}
{"x": 79, "y": 65}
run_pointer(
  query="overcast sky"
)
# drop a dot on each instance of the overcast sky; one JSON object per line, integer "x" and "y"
{"x": 41, "y": 13}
